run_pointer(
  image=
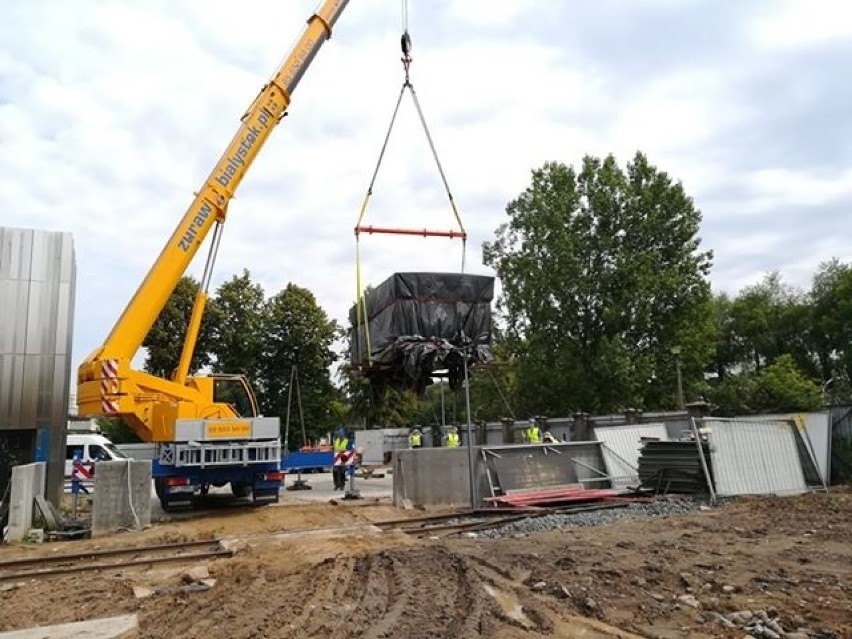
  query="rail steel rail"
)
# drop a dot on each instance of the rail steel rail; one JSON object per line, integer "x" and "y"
{"x": 483, "y": 519}
{"x": 430, "y": 525}
{"x": 52, "y": 565}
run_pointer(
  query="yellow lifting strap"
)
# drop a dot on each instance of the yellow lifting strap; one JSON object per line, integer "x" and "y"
{"x": 360, "y": 295}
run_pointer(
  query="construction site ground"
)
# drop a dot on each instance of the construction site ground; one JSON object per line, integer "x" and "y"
{"x": 309, "y": 568}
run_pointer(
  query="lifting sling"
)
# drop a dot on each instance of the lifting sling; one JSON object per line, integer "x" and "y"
{"x": 361, "y": 306}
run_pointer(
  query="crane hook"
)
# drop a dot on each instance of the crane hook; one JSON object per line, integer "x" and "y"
{"x": 405, "y": 44}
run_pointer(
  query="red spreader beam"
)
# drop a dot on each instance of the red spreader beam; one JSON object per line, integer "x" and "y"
{"x": 419, "y": 232}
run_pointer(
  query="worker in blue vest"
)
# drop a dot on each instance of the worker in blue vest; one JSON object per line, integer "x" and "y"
{"x": 341, "y": 447}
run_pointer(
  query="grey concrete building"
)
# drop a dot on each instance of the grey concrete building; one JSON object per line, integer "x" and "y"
{"x": 37, "y": 279}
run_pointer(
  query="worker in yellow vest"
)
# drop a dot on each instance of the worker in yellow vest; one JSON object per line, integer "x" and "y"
{"x": 453, "y": 439}
{"x": 415, "y": 438}
{"x": 338, "y": 469}
{"x": 533, "y": 432}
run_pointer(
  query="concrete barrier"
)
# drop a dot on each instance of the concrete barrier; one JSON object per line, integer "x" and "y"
{"x": 28, "y": 480}
{"x": 431, "y": 476}
{"x": 122, "y": 495}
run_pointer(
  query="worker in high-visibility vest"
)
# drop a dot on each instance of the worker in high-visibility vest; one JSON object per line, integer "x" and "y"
{"x": 415, "y": 438}
{"x": 533, "y": 432}
{"x": 453, "y": 439}
{"x": 338, "y": 469}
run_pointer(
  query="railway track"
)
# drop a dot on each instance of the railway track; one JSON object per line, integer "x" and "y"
{"x": 468, "y": 521}
{"x": 142, "y": 556}
{"x": 53, "y": 565}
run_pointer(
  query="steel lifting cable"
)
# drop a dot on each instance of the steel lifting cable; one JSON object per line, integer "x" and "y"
{"x": 361, "y": 307}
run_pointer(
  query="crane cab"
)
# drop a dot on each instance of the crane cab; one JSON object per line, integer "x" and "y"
{"x": 227, "y": 396}
{"x": 236, "y": 392}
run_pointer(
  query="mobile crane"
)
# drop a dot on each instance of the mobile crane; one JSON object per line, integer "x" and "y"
{"x": 206, "y": 427}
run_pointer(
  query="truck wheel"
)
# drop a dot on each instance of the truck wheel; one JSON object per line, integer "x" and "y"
{"x": 162, "y": 495}
{"x": 167, "y": 506}
{"x": 240, "y": 489}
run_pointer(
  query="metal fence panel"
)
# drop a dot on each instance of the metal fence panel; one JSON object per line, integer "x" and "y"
{"x": 752, "y": 457}
{"x": 536, "y": 466}
{"x": 622, "y": 445}
{"x": 841, "y": 421}
{"x": 818, "y": 428}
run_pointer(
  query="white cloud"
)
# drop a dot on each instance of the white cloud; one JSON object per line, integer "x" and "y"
{"x": 114, "y": 115}
{"x": 775, "y": 187}
{"x": 800, "y": 23}
{"x": 489, "y": 14}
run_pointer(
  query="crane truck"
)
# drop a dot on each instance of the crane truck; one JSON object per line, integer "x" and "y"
{"x": 206, "y": 428}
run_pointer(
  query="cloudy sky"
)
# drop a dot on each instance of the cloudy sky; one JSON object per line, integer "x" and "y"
{"x": 113, "y": 112}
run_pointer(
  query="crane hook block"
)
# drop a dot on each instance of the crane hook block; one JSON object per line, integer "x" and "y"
{"x": 405, "y": 43}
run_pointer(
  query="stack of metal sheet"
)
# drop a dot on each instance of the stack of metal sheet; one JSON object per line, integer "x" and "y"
{"x": 673, "y": 467}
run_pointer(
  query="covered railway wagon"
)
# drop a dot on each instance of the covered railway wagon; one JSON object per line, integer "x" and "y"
{"x": 415, "y": 324}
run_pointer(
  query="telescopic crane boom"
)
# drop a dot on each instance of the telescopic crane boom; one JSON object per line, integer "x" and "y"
{"x": 152, "y": 406}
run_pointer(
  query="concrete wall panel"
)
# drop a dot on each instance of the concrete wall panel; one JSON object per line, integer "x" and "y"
{"x": 28, "y": 480}
{"x": 431, "y": 476}
{"x": 121, "y": 501}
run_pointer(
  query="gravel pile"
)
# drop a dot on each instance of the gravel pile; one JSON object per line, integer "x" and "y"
{"x": 658, "y": 508}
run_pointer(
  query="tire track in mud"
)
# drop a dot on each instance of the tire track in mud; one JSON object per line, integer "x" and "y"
{"x": 281, "y": 614}
{"x": 366, "y": 598}
{"x": 330, "y": 580}
{"x": 534, "y": 615}
{"x": 417, "y": 594}
{"x": 470, "y": 619}
{"x": 420, "y": 593}
{"x": 399, "y": 592}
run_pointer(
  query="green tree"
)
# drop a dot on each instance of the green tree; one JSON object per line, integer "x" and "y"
{"x": 831, "y": 319}
{"x": 237, "y": 326}
{"x": 729, "y": 351}
{"x": 733, "y": 395}
{"x": 494, "y": 387}
{"x": 602, "y": 275}
{"x": 770, "y": 319}
{"x": 297, "y": 332}
{"x": 390, "y": 407}
{"x": 165, "y": 340}
{"x": 781, "y": 387}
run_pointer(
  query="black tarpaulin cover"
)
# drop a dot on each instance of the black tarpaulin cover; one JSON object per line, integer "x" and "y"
{"x": 418, "y": 322}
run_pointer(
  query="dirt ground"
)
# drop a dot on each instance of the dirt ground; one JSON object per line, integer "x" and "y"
{"x": 789, "y": 556}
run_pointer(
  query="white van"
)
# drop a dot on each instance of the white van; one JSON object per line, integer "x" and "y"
{"x": 92, "y": 447}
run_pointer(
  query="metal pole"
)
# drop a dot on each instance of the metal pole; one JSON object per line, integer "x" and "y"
{"x": 443, "y": 412}
{"x": 704, "y": 467}
{"x": 679, "y": 384}
{"x": 470, "y": 457}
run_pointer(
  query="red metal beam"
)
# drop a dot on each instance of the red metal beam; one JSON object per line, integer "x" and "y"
{"x": 420, "y": 232}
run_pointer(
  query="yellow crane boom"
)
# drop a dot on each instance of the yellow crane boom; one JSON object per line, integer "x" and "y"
{"x": 106, "y": 383}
